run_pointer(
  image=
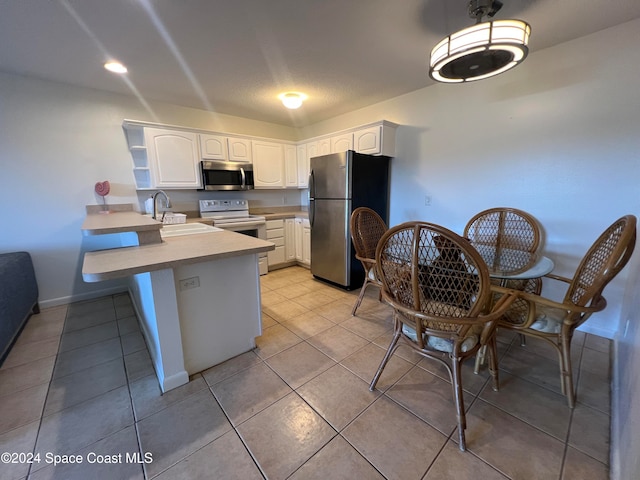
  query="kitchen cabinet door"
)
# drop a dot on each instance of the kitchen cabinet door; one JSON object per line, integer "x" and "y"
{"x": 303, "y": 166}
{"x": 240, "y": 149}
{"x": 173, "y": 158}
{"x": 368, "y": 140}
{"x": 342, "y": 143}
{"x": 268, "y": 164}
{"x": 324, "y": 146}
{"x": 298, "y": 237}
{"x": 213, "y": 147}
{"x": 290, "y": 166}
{"x": 306, "y": 242}
{"x": 289, "y": 239}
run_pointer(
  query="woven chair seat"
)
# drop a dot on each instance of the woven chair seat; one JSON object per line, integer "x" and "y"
{"x": 441, "y": 344}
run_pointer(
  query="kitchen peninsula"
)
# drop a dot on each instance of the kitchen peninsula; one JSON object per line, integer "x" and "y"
{"x": 197, "y": 295}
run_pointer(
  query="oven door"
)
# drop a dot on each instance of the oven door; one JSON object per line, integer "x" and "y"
{"x": 257, "y": 229}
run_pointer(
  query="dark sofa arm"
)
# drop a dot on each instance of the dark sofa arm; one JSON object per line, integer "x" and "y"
{"x": 18, "y": 296}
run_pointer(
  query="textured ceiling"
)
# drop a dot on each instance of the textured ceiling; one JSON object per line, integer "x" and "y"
{"x": 236, "y": 56}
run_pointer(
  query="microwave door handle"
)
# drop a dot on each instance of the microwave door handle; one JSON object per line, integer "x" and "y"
{"x": 244, "y": 179}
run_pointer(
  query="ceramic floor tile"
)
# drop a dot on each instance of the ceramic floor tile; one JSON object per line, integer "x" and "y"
{"x": 337, "y": 461}
{"x": 531, "y": 403}
{"x": 22, "y": 407}
{"x": 88, "y": 336}
{"x": 299, "y": 364}
{"x": 224, "y": 458}
{"x": 313, "y": 300}
{"x": 308, "y": 324}
{"x": 274, "y": 340}
{"x": 337, "y": 311}
{"x": 510, "y": 445}
{"x": 370, "y": 327}
{"x": 293, "y": 291}
{"x": 74, "y": 428}
{"x": 285, "y": 310}
{"x": 77, "y": 387}
{"x": 18, "y": 440}
{"x": 409, "y": 444}
{"x": 89, "y": 306}
{"x": 338, "y": 396}
{"x": 138, "y": 365}
{"x": 81, "y": 358}
{"x": 590, "y": 432}
{"x": 85, "y": 317}
{"x": 428, "y": 397}
{"x": 109, "y": 458}
{"x": 180, "y": 430}
{"x": 403, "y": 351}
{"x": 132, "y": 342}
{"x": 337, "y": 342}
{"x": 148, "y": 398}
{"x": 535, "y": 368}
{"x": 597, "y": 363}
{"x": 600, "y": 344}
{"x": 28, "y": 352}
{"x": 471, "y": 382}
{"x": 284, "y": 436}
{"x": 123, "y": 311}
{"x": 128, "y": 325}
{"x": 364, "y": 363}
{"x": 267, "y": 321}
{"x": 26, "y": 375}
{"x": 271, "y": 298}
{"x": 249, "y": 392}
{"x": 578, "y": 465}
{"x": 41, "y": 327}
{"x": 229, "y": 368}
{"x": 594, "y": 391}
{"x": 452, "y": 464}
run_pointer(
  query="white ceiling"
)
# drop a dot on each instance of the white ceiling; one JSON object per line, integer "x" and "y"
{"x": 235, "y": 56}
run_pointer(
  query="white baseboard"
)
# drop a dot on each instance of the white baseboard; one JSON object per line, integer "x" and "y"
{"x": 54, "y": 302}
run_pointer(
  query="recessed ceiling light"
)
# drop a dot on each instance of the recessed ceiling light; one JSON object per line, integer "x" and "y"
{"x": 292, "y": 100}
{"x": 115, "y": 67}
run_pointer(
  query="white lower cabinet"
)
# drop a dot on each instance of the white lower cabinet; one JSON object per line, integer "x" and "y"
{"x": 275, "y": 234}
{"x": 303, "y": 240}
{"x": 289, "y": 240}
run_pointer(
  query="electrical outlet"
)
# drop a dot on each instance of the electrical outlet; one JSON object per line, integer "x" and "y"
{"x": 187, "y": 283}
{"x": 427, "y": 200}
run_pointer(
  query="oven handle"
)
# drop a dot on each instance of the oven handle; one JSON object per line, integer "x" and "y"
{"x": 244, "y": 179}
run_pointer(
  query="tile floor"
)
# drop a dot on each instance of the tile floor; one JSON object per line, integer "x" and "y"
{"x": 79, "y": 382}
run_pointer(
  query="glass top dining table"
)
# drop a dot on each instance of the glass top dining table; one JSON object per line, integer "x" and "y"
{"x": 510, "y": 264}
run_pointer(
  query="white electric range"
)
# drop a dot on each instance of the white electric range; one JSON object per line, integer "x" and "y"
{"x": 234, "y": 215}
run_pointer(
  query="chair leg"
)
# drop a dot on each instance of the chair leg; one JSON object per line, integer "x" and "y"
{"x": 457, "y": 393}
{"x": 361, "y": 296}
{"x": 385, "y": 359}
{"x": 479, "y": 359}
{"x": 567, "y": 373}
{"x": 493, "y": 362}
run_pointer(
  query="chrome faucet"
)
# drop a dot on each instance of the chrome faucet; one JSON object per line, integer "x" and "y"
{"x": 167, "y": 202}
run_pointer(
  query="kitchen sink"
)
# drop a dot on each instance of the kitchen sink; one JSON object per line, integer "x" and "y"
{"x": 186, "y": 229}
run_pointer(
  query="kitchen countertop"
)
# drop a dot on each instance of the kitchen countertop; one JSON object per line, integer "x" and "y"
{"x": 155, "y": 253}
{"x": 276, "y": 213}
{"x": 173, "y": 251}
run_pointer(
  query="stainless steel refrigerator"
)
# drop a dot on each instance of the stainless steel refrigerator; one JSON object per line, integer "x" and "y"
{"x": 338, "y": 184}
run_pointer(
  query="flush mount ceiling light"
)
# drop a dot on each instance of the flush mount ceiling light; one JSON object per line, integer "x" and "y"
{"x": 115, "y": 67}
{"x": 481, "y": 51}
{"x": 292, "y": 100}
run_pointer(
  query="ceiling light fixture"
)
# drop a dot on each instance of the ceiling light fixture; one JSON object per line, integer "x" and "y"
{"x": 292, "y": 100}
{"x": 115, "y": 67}
{"x": 481, "y": 51}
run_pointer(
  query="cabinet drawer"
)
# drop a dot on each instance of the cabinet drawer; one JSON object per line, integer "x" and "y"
{"x": 275, "y": 224}
{"x": 274, "y": 257}
{"x": 275, "y": 233}
{"x": 278, "y": 242}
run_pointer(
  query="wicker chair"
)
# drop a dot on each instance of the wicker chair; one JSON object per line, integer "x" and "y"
{"x": 505, "y": 229}
{"x": 366, "y": 229}
{"x": 439, "y": 288}
{"x": 555, "y": 322}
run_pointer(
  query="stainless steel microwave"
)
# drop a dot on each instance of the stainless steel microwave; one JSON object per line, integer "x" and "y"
{"x": 219, "y": 175}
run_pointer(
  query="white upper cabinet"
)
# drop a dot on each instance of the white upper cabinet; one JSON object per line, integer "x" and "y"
{"x": 368, "y": 140}
{"x": 268, "y": 164}
{"x": 213, "y": 147}
{"x": 342, "y": 143}
{"x": 240, "y": 149}
{"x": 173, "y": 158}
{"x": 324, "y": 146}
{"x": 303, "y": 166}
{"x": 290, "y": 166}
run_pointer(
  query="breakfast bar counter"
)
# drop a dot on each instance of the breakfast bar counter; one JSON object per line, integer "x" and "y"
{"x": 195, "y": 290}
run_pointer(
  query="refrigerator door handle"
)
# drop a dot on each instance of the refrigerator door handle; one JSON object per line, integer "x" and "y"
{"x": 312, "y": 186}
{"x": 312, "y": 212}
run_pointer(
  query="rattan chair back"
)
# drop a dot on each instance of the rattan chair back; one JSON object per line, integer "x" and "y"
{"x": 439, "y": 288}
{"x": 367, "y": 227}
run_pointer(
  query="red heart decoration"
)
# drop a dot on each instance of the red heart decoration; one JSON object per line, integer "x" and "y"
{"x": 102, "y": 188}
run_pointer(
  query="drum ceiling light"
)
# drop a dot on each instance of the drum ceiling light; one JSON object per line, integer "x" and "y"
{"x": 482, "y": 50}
